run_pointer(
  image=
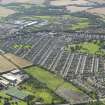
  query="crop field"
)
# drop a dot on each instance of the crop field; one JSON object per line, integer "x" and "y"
{"x": 76, "y": 8}
{"x": 5, "y": 12}
{"x": 97, "y": 11}
{"x": 68, "y": 2}
{"x": 23, "y": 1}
{"x": 7, "y": 65}
{"x": 18, "y": 60}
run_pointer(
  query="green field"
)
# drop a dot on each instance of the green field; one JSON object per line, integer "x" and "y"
{"x": 83, "y": 24}
{"x": 55, "y": 83}
{"x": 92, "y": 47}
{"x": 4, "y": 97}
{"x": 89, "y": 47}
{"x": 40, "y": 91}
{"x": 51, "y": 80}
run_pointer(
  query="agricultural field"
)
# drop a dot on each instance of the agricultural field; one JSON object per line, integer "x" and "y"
{"x": 68, "y": 2}
{"x": 17, "y": 60}
{"x": 10, "y": 62}
{"x": 97, "y": 11}
{"x": 74, "y": 9}
{"x": 5, "y": 11}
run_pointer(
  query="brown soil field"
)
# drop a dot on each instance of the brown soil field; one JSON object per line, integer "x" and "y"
{"x": 76, "y": 8}
{"x": 23, "y": 1}
{"x": 68, "y": 2}
{"x": 5, "y": 12}
{"x": 97, "y": 11}
{"x": 7, "y": 65}
{"x": 18, "y": 60}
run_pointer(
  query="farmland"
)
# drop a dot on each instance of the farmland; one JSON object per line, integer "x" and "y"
{"x": 5, "y": 12}
{"x": 97, "y": 11}
{"x": 68, "y": 2}
{"x": 7, "y": 64}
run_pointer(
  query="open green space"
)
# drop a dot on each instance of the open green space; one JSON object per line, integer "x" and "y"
{"x": 50, "y": 84}
{"x": 83, "y": 24}
{"x": 40, "y": 91}
{"x": 13, "y": 91}
{"x": 4, "y": 97}
{"x": 91, "y": 47}
{"x": 52, "y": 81}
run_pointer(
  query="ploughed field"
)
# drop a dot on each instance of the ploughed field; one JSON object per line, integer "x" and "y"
{"x": 10, "y": 62}
{"x": 48, "y": 51}
{"x": 5, "y": 11}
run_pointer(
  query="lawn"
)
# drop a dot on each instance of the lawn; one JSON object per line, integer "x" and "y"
{"x": 40, "y": 91}
{"x": 3, "y": 96}
{"x": 54, "y": 82}
{"x": 51, "y": 80}
{"x": 89, "y": 47}
{"x": 80, "y": 25}
{"x": 86, "y": 47}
